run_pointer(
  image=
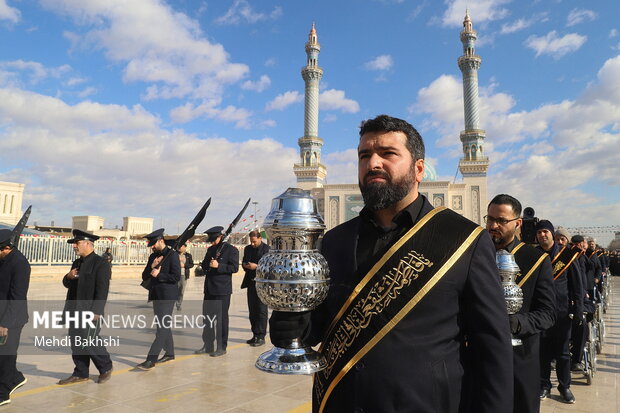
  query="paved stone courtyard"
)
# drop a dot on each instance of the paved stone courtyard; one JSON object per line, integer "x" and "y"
{"x": 231, "y": 383}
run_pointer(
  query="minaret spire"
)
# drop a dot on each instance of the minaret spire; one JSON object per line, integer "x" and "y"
{"x": 309, "y": 171}
{"x": 473, "y": 164}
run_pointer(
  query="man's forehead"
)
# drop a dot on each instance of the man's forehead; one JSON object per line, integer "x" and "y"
{"x": 382, "y": 139}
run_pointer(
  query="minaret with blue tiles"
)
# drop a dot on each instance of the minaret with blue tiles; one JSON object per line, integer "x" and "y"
{"x": 309, "y": 171}
{"x": 474, "y": 164}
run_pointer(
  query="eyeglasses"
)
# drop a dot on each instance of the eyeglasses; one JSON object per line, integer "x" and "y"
{"x": 499, "y": 221}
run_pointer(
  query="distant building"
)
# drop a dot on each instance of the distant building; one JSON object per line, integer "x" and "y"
{"x": 11, "y": 195}
{"x": 88, "y": 223}
{"x": 138, "y": 226}
{"x": 340, "y": 202}
{"x": 132, "y": 226}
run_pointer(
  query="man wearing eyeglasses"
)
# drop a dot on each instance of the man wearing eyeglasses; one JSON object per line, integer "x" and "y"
{"x": 537, "y": 314}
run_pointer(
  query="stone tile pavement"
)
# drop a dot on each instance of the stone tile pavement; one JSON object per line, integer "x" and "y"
{"x": 231, "y": 383}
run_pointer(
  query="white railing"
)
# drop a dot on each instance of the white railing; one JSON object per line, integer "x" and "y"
{"x": 56, "y": 251}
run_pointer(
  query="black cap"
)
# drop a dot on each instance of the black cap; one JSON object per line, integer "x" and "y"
{"x": 577, "y": 238}
{"x": 154, "y": 236}
{"x": 79, "y": 235}
{"x": 5, "y": 237}
{"x": 214, "y": 232}
{"x": 545, "y": 224}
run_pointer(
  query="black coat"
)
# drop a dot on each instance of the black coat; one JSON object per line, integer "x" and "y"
{"x": 251, "y": 254}
{"x": 218, "y": 281}
{"x": 422, "y": 365}
{"x": 89, "y": 291}
{"x": 14, "y": 281}
{"x": 189, "y": 263}
{"x": 536, "y": 315}
{"x": 569, "y": 289}
{"x": 164, "y": 286}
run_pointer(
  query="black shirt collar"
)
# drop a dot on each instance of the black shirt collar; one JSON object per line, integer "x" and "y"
{"x": 405, "y": 218}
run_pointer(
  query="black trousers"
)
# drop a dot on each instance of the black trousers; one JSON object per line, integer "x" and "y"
{"x": 526, "y": 362}
{"x": 258, "y": 312}
{"x": 82, "y": 355}
{"x": 9, "y": 375}
{"x": 163, "y": 335}
{"x": 578, "y": 337}
{"x": 554, "y": 344}
{"x": 215, "y": 332}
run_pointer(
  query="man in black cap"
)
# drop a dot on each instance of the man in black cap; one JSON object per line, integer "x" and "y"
{"x": 579, "y": 330}
{"x": 87, "y": 286}
{"x": 537, "y": 313}
{"x": 220, "y": 263}
{"x": 14, "y": 280}
{"x": 569, "y": 303}
{"x": 163, "y": 272}
{"x": 258, "y": 310}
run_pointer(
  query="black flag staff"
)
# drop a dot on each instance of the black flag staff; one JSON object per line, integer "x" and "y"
{"x": 17, "y": 231}
{"x": 189, "y": 231}
{"x": 230, "y": 228}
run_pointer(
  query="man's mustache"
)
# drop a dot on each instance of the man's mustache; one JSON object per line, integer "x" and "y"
{"x": 373, "y": 173}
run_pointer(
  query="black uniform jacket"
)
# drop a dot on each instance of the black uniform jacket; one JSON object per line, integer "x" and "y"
{"x": 251, "y": 254}
{"x": 569, "y": 291}
{"x": 422, "y": 365}
{"x": 14, "y": 280}
{"x": 164, "y": 286}
{"x": 89, "y": 291}
{"x": 218, "y": 281}
{"x": 189, "y": 263}
{"x": 538, "y": 311}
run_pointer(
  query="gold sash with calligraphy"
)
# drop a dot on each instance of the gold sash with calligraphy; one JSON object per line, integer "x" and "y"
{"x": 563, "y": 259}
{"x": 391, "y": 290}
{"x": 528, "y": 259}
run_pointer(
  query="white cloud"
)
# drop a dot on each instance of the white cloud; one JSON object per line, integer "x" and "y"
{"x": 284, "y": 100}
{"x": 613, "y": 33}
{"x": 479, "y": 11}
{"x": 515, "y": 26}
{"x": 258, "y": 86}
{"x": 272, "y": 61}
{"x": 523, "y": 23}
{"x": 383, "y": 62}
{"x": 555, "y": 46}
{"x": 241, "y": 10}
{"x": 333, "y": 99}
{"x": 35, "y": 71}
{"x": 9, "y": 13}
{"x": 87, "y": 92}
{"x": 136, "y": 167}
{"x": 577, "y": 16}
{"x": 548, "y": 156}
{"x": 209, "y": 109}
{"x": 158, "y": 46}
{"x": 342, "y": 166}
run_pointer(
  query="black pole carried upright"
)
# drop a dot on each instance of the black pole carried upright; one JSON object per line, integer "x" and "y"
{"x": 19, "y": 228}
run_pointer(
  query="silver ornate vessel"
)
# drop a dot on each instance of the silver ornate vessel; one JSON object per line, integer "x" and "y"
{"x": 508, "y": 271}
{"x": 293, "y": 275}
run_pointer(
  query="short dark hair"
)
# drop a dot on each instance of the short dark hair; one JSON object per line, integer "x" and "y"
{"x": 385, "y": 123}
{"x": 255, "y": 233}
{"x": 504, "y": 199}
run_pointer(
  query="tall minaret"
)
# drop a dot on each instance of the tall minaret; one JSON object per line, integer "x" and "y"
{"x": 309, "y": 171}
{"x": 474, "y": 164}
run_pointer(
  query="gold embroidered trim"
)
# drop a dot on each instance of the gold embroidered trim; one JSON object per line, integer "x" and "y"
{"x": 531, "y": 271}
{"x": 402, "y": 313}
{"x": 380, "y": 264}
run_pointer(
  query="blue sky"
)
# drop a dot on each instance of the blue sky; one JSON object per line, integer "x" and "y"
{"x": 148, "y": 107}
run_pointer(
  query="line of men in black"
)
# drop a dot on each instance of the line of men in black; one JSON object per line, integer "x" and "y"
{"x": 438, "y": 336}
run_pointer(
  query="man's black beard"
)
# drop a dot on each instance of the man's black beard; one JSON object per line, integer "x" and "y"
{"x": 381, "y": 195}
